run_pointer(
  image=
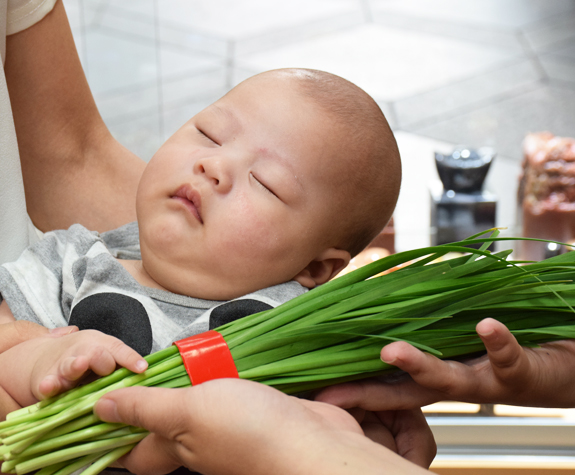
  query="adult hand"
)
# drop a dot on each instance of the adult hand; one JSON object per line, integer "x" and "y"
{"x": 238, "y": 427}
{"x": 508, "y": 374}
{"x": 404, "y": 432}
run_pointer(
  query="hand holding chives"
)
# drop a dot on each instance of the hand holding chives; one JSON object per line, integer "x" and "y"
{"x": 507, "y": 374}
{"x": 238, "y": 427}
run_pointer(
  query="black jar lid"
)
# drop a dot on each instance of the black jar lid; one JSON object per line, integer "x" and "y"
{"x": 465, "y": 169}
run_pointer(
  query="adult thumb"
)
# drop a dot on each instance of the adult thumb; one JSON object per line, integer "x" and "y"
{"x": 159, "y": 410}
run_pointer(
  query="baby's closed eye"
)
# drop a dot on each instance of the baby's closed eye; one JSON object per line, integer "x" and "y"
{"x": 203, "y": 134}
{"x": 262, "y": 185}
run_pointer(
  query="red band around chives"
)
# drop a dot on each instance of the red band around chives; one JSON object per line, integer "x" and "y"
{"x": 206, "y": 356}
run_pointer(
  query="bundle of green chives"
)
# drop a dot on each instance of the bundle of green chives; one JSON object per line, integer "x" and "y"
{"x": 331, "y": 334}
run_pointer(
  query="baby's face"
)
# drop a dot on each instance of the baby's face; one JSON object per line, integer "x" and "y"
{"x": 243, "y": 196}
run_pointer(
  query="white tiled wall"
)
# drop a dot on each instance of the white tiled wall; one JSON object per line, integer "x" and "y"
{"x": 445, "y": 72}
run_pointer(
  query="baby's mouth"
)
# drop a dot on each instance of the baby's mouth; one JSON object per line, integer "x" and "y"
{"x": 191, "y": 199}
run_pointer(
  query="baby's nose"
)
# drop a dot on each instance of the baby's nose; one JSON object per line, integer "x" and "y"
{"x": 217, "y": 170}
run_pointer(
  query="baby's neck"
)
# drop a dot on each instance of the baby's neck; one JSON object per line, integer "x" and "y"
{"x": 139, "y": 273}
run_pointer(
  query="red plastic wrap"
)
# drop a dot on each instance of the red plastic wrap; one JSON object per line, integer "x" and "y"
{"x": 206, "y": 356}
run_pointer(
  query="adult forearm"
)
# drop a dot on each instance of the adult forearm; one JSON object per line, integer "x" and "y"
{"x": 74, "y": 170}
{"x": 346, "y": 454}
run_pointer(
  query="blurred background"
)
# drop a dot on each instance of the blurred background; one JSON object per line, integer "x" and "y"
{"x": 445, "y": 73}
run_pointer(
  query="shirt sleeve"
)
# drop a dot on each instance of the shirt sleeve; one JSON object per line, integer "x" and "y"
{"x": 23, "y": 14}
{"x": 32, "y": 285}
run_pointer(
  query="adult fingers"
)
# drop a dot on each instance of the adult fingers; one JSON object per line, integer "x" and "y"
{"x": 374, "y": 429}
{"x": 336, "y": 417}
{"x": 508, "y": 359}
{"x": 176, "y": 418}
{"x": 446, "y": 379}
{"x": 431, "y": 380}
{"x": 375, "y": 395}
{"x": 159, "y": 410}
{"x": 413, "y": 436}
{"x": 154, "y": 455}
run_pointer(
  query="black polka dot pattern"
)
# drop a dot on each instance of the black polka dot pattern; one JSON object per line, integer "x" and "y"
{"x": 116, "y": 315}
{"x": 230, "y": 311}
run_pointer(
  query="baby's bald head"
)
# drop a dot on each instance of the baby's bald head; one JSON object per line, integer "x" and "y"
{"x": 366, "y": 171}
{"x": 284, "y": 178}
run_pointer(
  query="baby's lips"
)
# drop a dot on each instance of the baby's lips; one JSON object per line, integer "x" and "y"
{"x": 191, "y": 195}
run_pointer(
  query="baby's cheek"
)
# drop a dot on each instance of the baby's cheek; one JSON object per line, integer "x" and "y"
{"x": 252, "y": 233}
{"x": 163, "y": 233}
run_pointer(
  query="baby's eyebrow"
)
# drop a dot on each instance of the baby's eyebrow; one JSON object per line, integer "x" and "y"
{"x": 229, "y": 116}
{"x": 266, "y": 153}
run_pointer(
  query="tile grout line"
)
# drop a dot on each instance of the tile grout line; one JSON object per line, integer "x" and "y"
{"x": 96, "y": 21}
{"x": 366, "y": 11}
{"x": 461, "y": 111}
{"x": 416, "y": 28}
{"x": 562, "y": 83}
{"x": 496, "y": 68}
{"x": 393, "y": 116}
{"x": 141, "y": 86}
{"x": 230, "y": 63}
{"x": 311, "y": 27}
{"x": 127, "y": 117}
{"x": 451, "y": 113}
{"x": 532, "y": 55}
{"x": 129, "y": 36}
{"x": 542, "y": 22}
{"x": 159, "y": 70}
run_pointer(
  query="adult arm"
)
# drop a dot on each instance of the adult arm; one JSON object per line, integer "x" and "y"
{"x": 508, "y": 374}
{"x": 238, "y": 427}
{"x": 74, "y": 170}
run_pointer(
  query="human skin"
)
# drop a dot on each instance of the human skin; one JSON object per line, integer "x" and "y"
{"x": 61, "y": 134}
{"x": 74, "y": 170}
{"x": 13, "y": 333}
{"x": 246, "y": 195}
{"x": 67, "y": 152}
{"x": 63, "y": 158}
{"x": 507, "y": 374}
{"x": 44, "y": 366}
{"x": 238, "y": 427}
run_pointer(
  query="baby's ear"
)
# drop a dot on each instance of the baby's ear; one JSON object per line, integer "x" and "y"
{"x": 323, "y": 268}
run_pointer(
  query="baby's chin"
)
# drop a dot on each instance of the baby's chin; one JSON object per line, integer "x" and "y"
{"x": 204, "y": 286}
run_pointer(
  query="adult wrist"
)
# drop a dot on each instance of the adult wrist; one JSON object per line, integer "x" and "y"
{"x": 346, "y": 453}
